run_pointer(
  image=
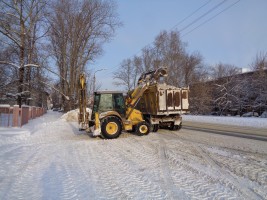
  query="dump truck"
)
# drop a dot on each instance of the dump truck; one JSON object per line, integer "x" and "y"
{"x": 162, "y": 106}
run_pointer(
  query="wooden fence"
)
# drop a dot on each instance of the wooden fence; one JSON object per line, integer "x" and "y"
{"x": 17, "y": 117}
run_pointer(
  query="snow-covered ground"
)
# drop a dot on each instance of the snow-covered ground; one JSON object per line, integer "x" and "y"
{"x": 237, "y": 121}
{"x": 50, "y": 159}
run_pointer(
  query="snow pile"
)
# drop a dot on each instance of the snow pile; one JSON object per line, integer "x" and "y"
{"x": 236, "y": 121}
{"x": 4, "y": 106}
{"x": 264, "y": 114}
{"x": 72, "y": 116}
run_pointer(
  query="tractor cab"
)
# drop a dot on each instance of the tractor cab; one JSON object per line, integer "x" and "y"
{"x": 105, "y": 101}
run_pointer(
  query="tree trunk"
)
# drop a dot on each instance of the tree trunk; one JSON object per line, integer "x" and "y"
{"x": 22, "y": 48}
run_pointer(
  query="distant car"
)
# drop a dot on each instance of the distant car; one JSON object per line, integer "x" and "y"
{"x": 264, "y": 114}
{"x": 55, "y": 109}
{"x": 215, "y": 113}
{"x": 251, "y": 114}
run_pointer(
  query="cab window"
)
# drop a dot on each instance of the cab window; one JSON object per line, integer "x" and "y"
{"x": 105, "y": 103}
{"x": 119, "y": 104}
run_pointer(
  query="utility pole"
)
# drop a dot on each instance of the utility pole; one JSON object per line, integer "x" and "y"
{"x": 95, "y": 78}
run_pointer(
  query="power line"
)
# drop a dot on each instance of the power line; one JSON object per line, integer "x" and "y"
{"x": 196, "y": 20}
{"x": 191, "y": 14}
{"x": 203, "y": 15}
{"x": 211, "y": 18}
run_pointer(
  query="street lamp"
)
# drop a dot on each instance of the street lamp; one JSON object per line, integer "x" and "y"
{"x": 95, "y": 77}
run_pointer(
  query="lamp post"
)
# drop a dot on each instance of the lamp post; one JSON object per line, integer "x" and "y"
{"x": 95, "y": 77}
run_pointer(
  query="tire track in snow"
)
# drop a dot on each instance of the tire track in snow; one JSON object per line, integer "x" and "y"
{"x": 158, "y": 166}
{"x": 256, "y": 174}
{"x": 104, "y": 173}
{"x": 39, "y": 160}
{"x": 250, "y": 191}
{"x": 242, "y": 164}
{"x": 88, "y": 171}
{"x": 72, "y": 185}
{"x": 196, "y": 183}
{"x": 148, "y": 149}
{"x": 9, "y": 148}
{"x": 175, "y": 192}
{"x": 223, "y": 174}
{"x": 21, "y": 181}
{"x": 167, "y": 177}
{"x": 60, "y": 178}
{"x": 142, "y": 164}
{"x": 132, "y": 180}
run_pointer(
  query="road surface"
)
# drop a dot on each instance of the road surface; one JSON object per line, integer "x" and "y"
{"x": 237, "y": 131}
{"x": 50, "y": 159}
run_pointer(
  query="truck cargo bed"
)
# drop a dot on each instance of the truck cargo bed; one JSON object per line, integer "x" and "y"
{"x": 162, "y": 99}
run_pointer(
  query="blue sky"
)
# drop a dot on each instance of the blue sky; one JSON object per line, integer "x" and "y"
{"x": 234, "y": 37}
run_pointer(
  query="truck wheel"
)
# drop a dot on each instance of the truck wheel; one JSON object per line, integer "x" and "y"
{"x": 111, "y": 127}
{"x": 142, "y": 128}
{"x": 174, "y": 127}
{"x": 154, "y": 127}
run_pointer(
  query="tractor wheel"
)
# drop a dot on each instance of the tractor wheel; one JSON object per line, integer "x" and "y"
{"x": 142, "y": 128}
{"x": 111, "y": 127}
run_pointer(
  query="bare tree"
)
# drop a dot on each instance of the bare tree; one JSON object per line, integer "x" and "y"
{"x": 78, "y": 30}
{"x": 222, "y": 70}
{"x": 18, "y": 23}
{"x": 259, "y": 82}
{"x": 170, "y": 53}
{"x": 192, "y": 69}
{"x": 200, "y": 100}
{"x": 147, "y": 58}
{"x": 167, "y": 51}
{"x": 124, "y": 75}
{"x": 260, "y": 62}
{"x": 225, "y": 86}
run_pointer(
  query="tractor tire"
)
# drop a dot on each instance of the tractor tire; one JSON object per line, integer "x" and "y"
{"x": 111, "y": 127}
{"x": 142, "y": 128}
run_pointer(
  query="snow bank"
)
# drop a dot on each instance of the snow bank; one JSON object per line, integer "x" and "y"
{"x": 72, "y": 116}
{"x": 4, "y": 106}
{"x": 236, "y": 121}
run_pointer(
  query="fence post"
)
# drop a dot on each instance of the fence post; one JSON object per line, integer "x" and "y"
{"x": 15, "y": 115}
{"x": 24, "y": 115}
{"x": 33, "y": 112}
{"x": 30, "y": 113}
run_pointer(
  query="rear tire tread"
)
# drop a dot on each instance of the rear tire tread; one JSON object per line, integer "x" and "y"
{"x": 105, "y": 122}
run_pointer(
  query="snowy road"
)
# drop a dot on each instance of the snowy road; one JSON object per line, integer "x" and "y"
{"x": 237, "y": 131}
{"x": 50, "y": 159}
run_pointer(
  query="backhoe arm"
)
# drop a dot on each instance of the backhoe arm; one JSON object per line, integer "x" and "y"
{"x": 144, "y": 81}
{"x": 83, "y": 115}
